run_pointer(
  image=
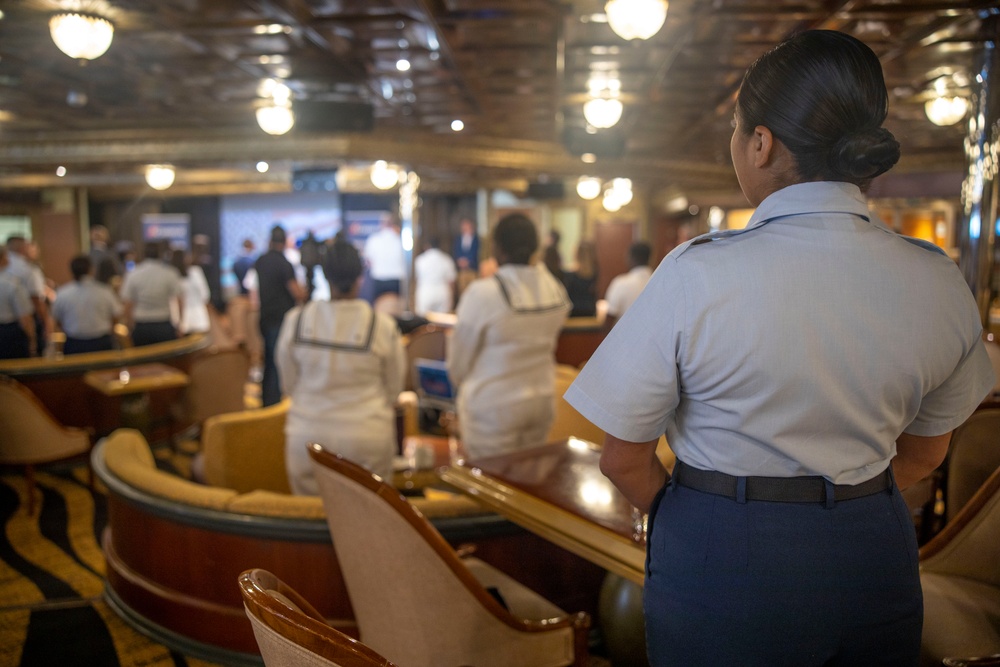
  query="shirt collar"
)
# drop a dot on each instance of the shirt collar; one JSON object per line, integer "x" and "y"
{"x": 814, "y": 197}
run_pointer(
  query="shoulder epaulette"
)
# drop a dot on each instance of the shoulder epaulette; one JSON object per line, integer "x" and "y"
{"x": 926, "y": 245}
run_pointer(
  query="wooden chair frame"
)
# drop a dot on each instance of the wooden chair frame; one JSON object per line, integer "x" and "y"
{"x": 578, "y": 622}
{"x": 303, "y": 626}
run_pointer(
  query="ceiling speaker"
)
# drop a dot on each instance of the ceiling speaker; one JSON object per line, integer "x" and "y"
{"x": 318, "y": 116}
{"x": 609, "y": 143}
{"x": 547, "y": 190}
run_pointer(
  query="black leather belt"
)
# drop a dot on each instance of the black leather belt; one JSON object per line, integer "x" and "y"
{"x": 777, "y": 489}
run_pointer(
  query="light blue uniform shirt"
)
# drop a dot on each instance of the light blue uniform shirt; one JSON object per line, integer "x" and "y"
{"x": 802, "y": 345}
{"x": 14, "y": 300}
{"x": 86, "y": 309}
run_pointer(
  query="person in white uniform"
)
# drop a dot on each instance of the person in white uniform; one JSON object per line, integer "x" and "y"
{"x": 386, "y": 260}
{"x": 804, "y": 370}
{"x": 623, "y": 290}
{"x": 435, "y": 274}
{"x": 195, "y": 294}
{"x": 343, "y": 366}
{"x": 500, "y": 355}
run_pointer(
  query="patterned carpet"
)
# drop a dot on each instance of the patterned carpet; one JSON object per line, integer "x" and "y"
{"x": 52, "y": 576}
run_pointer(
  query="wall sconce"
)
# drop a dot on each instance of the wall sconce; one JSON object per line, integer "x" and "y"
{"x": 160, "y": 176}
{"x": 636, "y": 19}
{"x": 78, "y": 35}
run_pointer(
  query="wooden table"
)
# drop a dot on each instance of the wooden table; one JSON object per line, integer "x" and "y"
{"x": 133, "y": 385}
{"x": 558, "y": 492}
{"x": 139, "y": 379}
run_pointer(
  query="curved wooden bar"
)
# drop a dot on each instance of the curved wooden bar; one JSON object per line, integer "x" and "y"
{"x": 172, "y": 567}
{"x": 58, "y": 383}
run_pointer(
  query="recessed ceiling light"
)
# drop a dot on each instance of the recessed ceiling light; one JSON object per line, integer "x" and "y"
{"x": 457, "y": 125}
{"x": 262, "y": 166}
{"x": 403, "y": 65}
{"x": 589, "y": 158}
{"x": 60, "y": 171}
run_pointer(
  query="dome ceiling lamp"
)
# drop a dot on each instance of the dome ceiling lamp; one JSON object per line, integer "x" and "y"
{"x": 277, "y": 117}
{"x": 81, "y": 35}
{"x": 636, "y": 19}
{"x": 588, "y": 187}
{"x": 945, "y": 107}
{"x": 385, "y": 176}
{"x": 618, "y": 195}
{"x": 160, "y": 176}
{"x": 603, "y": 109}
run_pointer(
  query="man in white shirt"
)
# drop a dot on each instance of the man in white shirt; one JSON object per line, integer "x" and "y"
{"x": 17, "y": 327}
{"x": 386, "y": 260}
{"x": 624, "y": 289}
{"x": 147, "y": 292}
{"x": 85, "y": 310}
{"x": 33, "y": 280}
{"x": 435, "y": 275}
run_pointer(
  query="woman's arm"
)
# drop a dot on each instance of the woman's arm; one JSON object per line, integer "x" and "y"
{"x": 634, "y": 469}
{"x": 917, "y": 456}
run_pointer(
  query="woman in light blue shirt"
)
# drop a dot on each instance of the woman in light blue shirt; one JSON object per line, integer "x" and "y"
{"x": 804, "y": 369}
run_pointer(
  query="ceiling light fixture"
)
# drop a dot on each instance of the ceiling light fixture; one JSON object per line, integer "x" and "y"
{"x": 160, "y": 176}
{"x": 384, "y": 176}
{"x": 618, "y": 195}
{"x": 588, "y": 187}
{"x": 603, "y": 112}
{"x": 457, "y": 125}
{"x": 403, "y": 65}
{"x": 636, "y": 19}
{"x": 946, "y": 110}
{"x": 275, "y": 119}
{"x": 78, "y": 35}
{"x": 262, "y": 167}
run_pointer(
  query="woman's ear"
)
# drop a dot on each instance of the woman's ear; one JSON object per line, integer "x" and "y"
{"x": 763, "y": 146}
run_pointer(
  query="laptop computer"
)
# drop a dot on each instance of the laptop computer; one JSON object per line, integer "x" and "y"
{"x": 433, "y": 386}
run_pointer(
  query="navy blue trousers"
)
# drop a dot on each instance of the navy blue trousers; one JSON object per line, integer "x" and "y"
{"x": 765, "y": 583}
{"x": 81, "y": 345}
{"x": 150, "y": 333}
{"x": 270, "y": 384}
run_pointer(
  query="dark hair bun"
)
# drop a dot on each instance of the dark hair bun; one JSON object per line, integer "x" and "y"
{"x": 866, "y": 154}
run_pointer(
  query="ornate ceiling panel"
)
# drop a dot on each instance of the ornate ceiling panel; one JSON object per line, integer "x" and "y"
{"x": 182, "y": 79}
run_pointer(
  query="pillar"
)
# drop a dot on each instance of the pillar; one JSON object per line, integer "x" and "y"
{"x": 980, "y": 195}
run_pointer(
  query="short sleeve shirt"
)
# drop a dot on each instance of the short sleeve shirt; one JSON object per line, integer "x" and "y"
{"x": 85, "y": 308}
{"x": 150, "y": 288}
{"x": 274, "y": 272}
{"x": 14, "y": 300}
{"x": 802, "y": 345}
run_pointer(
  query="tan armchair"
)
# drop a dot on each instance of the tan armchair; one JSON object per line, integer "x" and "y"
{"x": 416, "y": 601}
{"x": 973, "y": 455}
{"x": 218, "y": 379}
{"x": 291, "y": 633}
{"x": 568, "y": 421}
{"x": 960, "y": 575}
{"x": 425, "y": 342}
{"x": 245, "y": 450}
{"x": 30, "y": 435}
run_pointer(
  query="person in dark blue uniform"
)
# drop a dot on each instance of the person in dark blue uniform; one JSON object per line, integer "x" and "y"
{"x": 804, "y": 370}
